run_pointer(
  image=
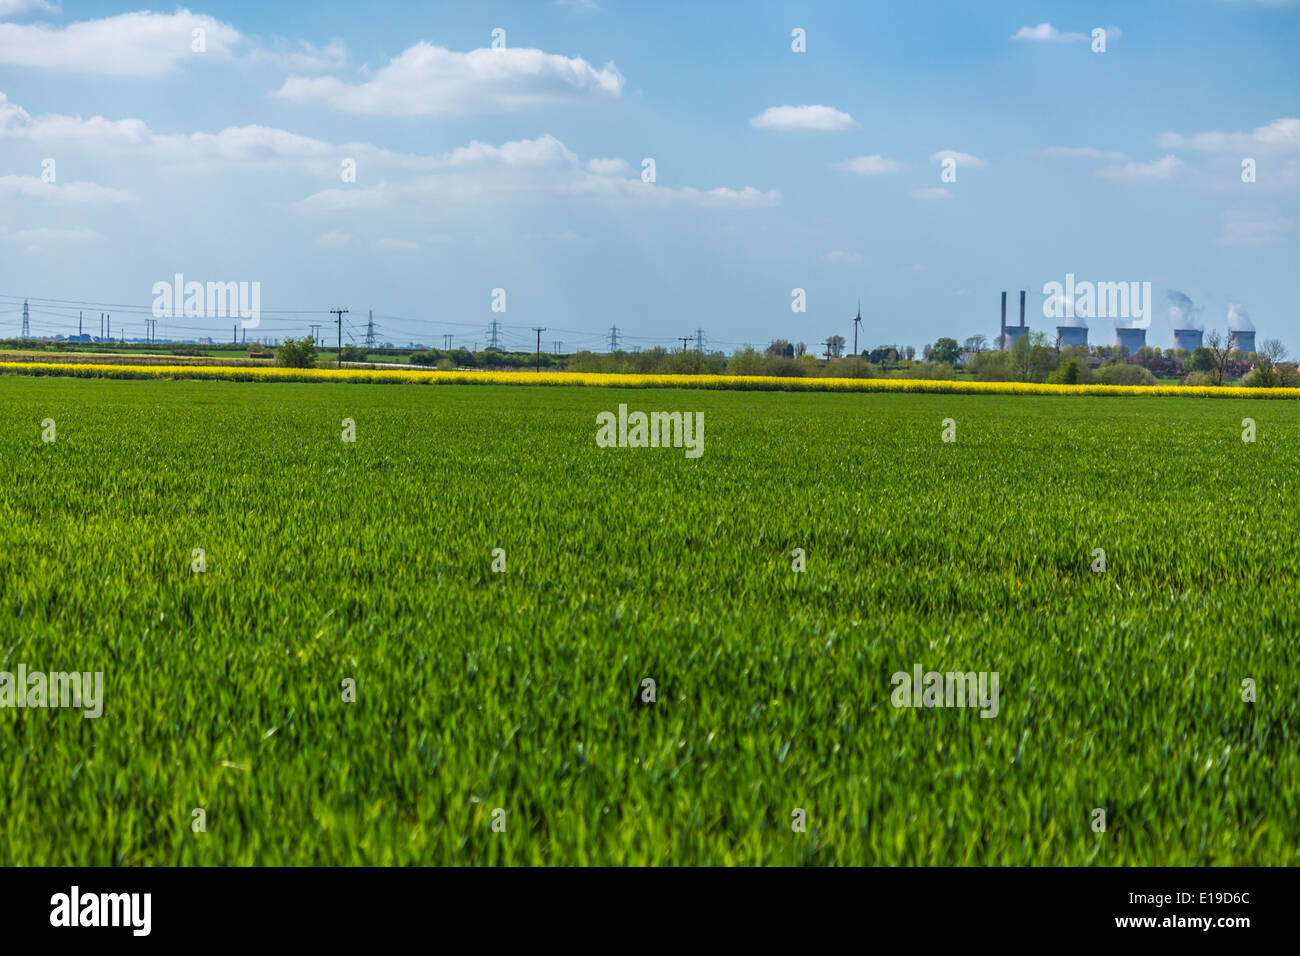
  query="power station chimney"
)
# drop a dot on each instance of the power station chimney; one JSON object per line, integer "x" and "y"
{"x": 1022, "y": 308}
{"x": 1002, "y": 335}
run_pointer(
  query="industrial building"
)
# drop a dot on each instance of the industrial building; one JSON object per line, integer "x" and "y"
{"x": 1009, "y": 335}
{"x": 1070, "y": 335}
{"x": 1242, "y": 340}
{"x": 1131, "y": 339}
{"x": 1189, "y": 339}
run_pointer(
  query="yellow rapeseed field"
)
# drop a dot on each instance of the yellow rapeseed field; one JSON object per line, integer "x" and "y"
{"x": 743, "y": 382}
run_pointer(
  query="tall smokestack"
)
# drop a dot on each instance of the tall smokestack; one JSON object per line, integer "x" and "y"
{"x": 1002, "y": 337}
{"x": 1022, "y": 308}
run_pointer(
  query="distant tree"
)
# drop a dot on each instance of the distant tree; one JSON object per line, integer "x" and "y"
{"x": 945, "y": 350}
{"x": 1122, "y": 373}
{"x": 835, "y": 345}
{"x": 1220, "y": 347}
{"x": 800, "y": 349}
{"x": 1274, "y": 351}
{"x": 297, "y": 353}
{"x": 910, "y": 352}
{"x": 1200, "y": 360}
{"x": 1067, "y": 373}
{"x": 781, "y": 348}
{"x": 976, "y": 343}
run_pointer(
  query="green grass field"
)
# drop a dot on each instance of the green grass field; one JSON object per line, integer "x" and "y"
{"x": 371, "y": 561}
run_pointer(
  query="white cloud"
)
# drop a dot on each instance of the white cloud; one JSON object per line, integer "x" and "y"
{"x": 334, "y": 238}
{"x": 873, "y": 165}
{"x": 579, "y": 6}
{"x": 1160, "y": 169}
{"x": 609, "y": 167}
{"x": 81, "y": 193}
{"x": 243, "y": 146}
{"x": 1281, "y": 135}
{"x": 1240, "y": 230}
{"x": 816, "y": 118}
{"x": 962, "y": 159}
{"x": 843, "y": 258}
{"x": 1046, "y": 33}
{"x": 130, "y": 44}
{"x": 9, "y": 8}
{"x": 397, "y": 245}
{"x": 302, "y": 56}
{"x": 1082, "y": 152}
{"x": 481, "y": 172}
{"x": 935, "y": 192}
{"x": 428, "y": 80}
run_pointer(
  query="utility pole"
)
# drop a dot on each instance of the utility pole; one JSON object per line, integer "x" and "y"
{"x": 613, "y": 338}
{"x": 27, "y": 326}
{"x": 370, "y": 331}
{"x": 539, "y": 332}
{"x": 827, "y": 343}
{"x": 699, "y": 340}
{"x": 683, "y": 339}
{"x": 315, "y": 334}
{"x": 857, "y": 321}
{"x": 340, "y": 313}
{"x": 494, "y": 341}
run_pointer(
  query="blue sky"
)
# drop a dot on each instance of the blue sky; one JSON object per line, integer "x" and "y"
{"x": 523, "y": 172}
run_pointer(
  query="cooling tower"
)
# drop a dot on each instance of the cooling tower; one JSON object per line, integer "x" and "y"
{"x": 1068, "y": 335}
{"x": 1189, "y": 339}
{"x": 1243, "y": 342}
{"x": 1131, "y": 339}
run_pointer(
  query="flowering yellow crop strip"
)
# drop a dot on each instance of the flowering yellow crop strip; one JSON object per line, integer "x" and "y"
{"x": 742, "y": 382}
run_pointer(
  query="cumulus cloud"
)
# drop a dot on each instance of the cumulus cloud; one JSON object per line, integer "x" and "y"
{"x": 241, "y": 146}
{"x": 824, "y": 119}
{"x": 334, "y": 238}
{"x": 962, "y": 159}
{"x": 130, "y": 44}
{"x": 9, "y": 8}
{"x": 1083, "y": 152}
{"x": 1045, "y": 33}
{"x": 934, "y": 192}
{"x": 1160, "y": 169}
{"x": 609, "y": 167}
{"x": 1281, "y": 135}
{"x": 541, "y": 166}
{"x": 428, "y": 80}
{"x": 874, "y": 165}
{"x": 81, "y": 193}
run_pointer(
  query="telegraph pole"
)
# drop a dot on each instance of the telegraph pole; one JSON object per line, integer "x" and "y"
{"x": 340, "y": 313}
{"x": 683, "y": 339}
{"x": 539, "y": 332}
